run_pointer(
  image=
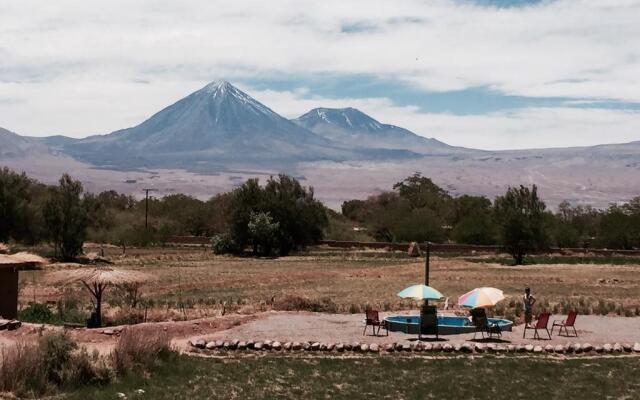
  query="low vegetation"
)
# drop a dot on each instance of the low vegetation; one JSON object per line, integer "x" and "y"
{"x": 286, "y": 377}
{"x": 55, "y": 363}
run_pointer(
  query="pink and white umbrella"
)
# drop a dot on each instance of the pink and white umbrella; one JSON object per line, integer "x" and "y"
{"x": 481, "y": 297}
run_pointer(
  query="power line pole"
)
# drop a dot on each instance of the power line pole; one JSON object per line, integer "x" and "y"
{"x": 146, "y": 207}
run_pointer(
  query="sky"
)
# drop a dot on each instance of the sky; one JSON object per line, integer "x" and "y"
{"x": 489, "y": 74}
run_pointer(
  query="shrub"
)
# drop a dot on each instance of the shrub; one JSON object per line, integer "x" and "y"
{"x": 223, "y": 243}
{"x": 297, "y": 303}
{"x": 37, "y": 313}
{"x": 52, "y": 362}
{"x": 21, "y": 369}
{"x": 138, "y": 350}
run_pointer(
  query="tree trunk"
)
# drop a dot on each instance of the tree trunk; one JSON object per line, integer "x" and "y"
{"x": 519, "y": 259}
{"x": 99, "y": 307}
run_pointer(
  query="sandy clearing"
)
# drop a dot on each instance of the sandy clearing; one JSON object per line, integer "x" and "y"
{"x": 348, "y": 328}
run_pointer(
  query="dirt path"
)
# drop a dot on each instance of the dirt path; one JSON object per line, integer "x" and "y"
{"x": 103, "y": 340}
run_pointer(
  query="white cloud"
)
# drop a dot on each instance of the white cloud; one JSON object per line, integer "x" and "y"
{"x": 75, "y": 67}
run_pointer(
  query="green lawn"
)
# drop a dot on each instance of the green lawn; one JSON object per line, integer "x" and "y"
{"x": 389, "y": 377}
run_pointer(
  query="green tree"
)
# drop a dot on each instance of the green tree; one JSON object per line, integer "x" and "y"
{"x": 301, "y": 218}
{"x": 262, "y": 231}
{"x": 473, "y": 221}
{"x": 521, "y": 221}
{"x": 14, "y": 200}
{"x": 66, "y": 217}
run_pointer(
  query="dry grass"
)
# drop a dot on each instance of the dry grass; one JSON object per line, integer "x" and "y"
{"x": 190, "y": 283}
{"x": 139, "y": 351}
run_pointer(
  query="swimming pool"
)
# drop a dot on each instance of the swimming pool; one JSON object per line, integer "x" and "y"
{"x": 447, "y": 324}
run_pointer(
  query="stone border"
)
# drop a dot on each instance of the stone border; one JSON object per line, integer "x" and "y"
{"x": 357, "y": 347}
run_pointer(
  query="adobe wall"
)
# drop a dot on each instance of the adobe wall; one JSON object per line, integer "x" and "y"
{"x": 8, "y": 293}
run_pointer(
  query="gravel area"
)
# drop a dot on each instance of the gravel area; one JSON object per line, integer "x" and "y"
{"x": 348, "y": 328}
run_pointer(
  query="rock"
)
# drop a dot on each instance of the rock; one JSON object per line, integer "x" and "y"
{"x": 467, "y": 348}
{"x": 427, "y": 347}
{"x": 479, "y": 347}
{"x": 121, "y": 395}
{"x": 200, "y": 343}
{"x": 627, "y": 347}
{"x": 576, "y": 348}
{"x": 267, "y": 345}
{"x": 315, "y": 346}
{"x": 414, "y": 250}
{"x": 537, "y": 349}
{"x": 529, "y": 348}
{"x": 211, "y": 345}
{"x": 636, "y": 347}
{"x": 226, "y": 345}
{"x": 599, "y": 349}
{"x": 140, "y": 391}
{"x": 323, "y": 347}
{"x": 520, "y": 348}
{"x": 277, "y": 346}
{"x": 347, "y": 346}
{"x": 548, "y": 348}
{"x": 559, "y": 349}
{"x": 258, "y": 346}
{"x": 374, "y": 348}
{"x": 418, "y": 347}
{"x": 306, "y": 346}
{"x": 437, "y": 347}
{"x": 287, "y": 346}
{"x": 234, "y": 344}
{"x": 340, "y": 347}
{"x": 457, "y": 347}
{"x": 296, "y": 346}
{"x": 447, "y": 347}
{"x": 250, "y": 344}
{"x": 355, "y": 346}
{"x": 607, "y": 348}
{"x": 511, "y": 348}
{"x": 617, "y": 347}
{"x": 501, "y": 349}
{"x": 242, "y": 345}
{"x": 406, "y": 347}
{"x": 389, "y": 347}
{"x": 364, "y": 347}
{"x": 331, "y": 346}
{"x": 587, "y": 347}
{"x": 219, "y": 344}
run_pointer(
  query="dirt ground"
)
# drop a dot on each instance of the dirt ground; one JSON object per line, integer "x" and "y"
{"x": 348, "y": 328}
{"x": 351, "y": 280}
{"x": 248, "y": 289}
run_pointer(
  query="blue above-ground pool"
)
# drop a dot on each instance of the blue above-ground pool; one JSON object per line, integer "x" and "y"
{"x": 447, "y": 325}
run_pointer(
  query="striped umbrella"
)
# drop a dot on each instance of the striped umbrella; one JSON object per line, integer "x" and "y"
{"x": 481, "y": 297}
{"x": 420, "y": 292}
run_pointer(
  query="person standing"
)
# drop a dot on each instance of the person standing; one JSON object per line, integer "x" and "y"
{"x": 529, "y": 301}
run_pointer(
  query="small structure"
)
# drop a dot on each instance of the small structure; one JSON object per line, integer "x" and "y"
{"x": 97, "y": 280}
{"x": 9, "y": 267}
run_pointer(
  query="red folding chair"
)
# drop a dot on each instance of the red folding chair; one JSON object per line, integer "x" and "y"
{"x": 372, "y": 318}
{"x": 567, "y": 323}
{"x": 541, "y": 323}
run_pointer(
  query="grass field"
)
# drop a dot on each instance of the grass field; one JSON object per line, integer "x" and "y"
{"x": 350, "y": 280}
{"x": 278, "y": 377}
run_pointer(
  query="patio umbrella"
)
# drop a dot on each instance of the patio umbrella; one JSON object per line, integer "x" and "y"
{"x": 481, "y": 297}
{"x": 420, "y": 292}
{"x": 97, "y": 280}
